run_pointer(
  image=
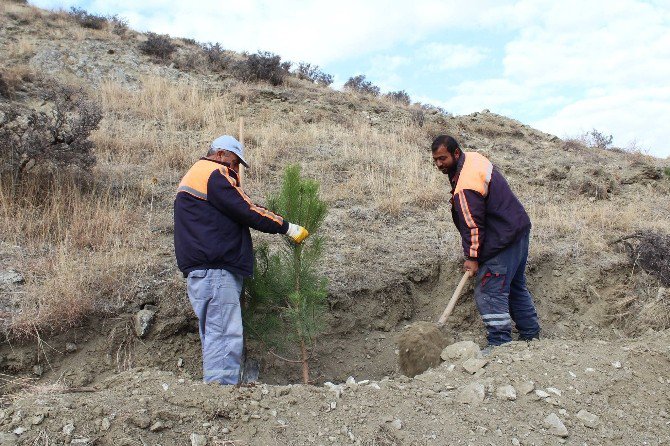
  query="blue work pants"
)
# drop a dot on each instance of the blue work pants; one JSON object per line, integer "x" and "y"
{"x": 215, "y": 298}
{"x": 502, "y": 296}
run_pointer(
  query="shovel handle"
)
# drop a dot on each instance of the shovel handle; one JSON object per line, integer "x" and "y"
{"x": 453, "y": 300}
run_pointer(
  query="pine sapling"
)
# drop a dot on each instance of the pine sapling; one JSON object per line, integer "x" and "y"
{"x": 286, "y": 294}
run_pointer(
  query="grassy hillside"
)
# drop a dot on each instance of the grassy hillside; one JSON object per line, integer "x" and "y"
{"x": 97, "y": 241}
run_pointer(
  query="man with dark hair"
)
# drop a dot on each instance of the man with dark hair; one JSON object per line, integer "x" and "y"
{"x": 495, "y": 230}
{"x": 212, "y": 217}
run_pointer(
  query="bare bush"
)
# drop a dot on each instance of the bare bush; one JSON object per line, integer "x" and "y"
{"x": 216, "y": 56}
{"x": 263, "y": 66}
{"x": 649, "y": 251}
{"x": 158, "y": 45}
{"x": 313, "y": 74}
{"x": 58, "y": 137}
{"x": 360, "y": 85}
{"x": 119, "y": 25}
{"x": 401, "y": 97}
{"x": 596, "y": 139}
{"x": 87, "y": 20}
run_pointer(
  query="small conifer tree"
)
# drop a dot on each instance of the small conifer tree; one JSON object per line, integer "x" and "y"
{"x": 287, "y": 296}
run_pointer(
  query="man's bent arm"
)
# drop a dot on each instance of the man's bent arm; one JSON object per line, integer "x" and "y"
{"x": 225, "y": 194}
{"x": 470, "y": 207}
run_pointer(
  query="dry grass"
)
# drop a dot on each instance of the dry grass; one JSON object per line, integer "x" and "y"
{"x": 85, "y": 251}
{"x": 21, "y": 50}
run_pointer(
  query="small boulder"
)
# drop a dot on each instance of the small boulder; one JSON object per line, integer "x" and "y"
{"x": 198, "y": 440}
{"x": 461, "y": 351}
{"x": 506, "y": 393}
{"x": 473, "y": 393}
{"x": 473, "y": 365}
{"x": 555, "y": 426}
{"x": 142, "y": 322}
{"x": 589, "y": 419}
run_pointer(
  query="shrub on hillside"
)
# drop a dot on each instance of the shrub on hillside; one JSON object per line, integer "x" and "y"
{"x": 360, "y": 85}
{"x": 596, "y": 139}
{"x": 57, "y": 137}
{"x": 158, "y": 45}
{"x": 400, "y": 97}
{"x": 119, "y": 25}
{"x": 263, "y": 66}
{"x": 88, "y": 20}
{"x": 313, "y": 74}
{"x": 216, "y": 56}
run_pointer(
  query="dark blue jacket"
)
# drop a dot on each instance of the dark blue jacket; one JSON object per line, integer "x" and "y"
{"x": 212, "y": 217}
{"x": 484, "y": 209}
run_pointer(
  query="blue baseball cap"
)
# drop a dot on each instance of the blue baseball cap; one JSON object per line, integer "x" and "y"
{"x": 227, "y": 142}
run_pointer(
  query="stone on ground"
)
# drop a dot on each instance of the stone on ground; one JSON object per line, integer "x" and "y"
{"x": 473, "y": 393}
{"x": 589, "y": 419}
{"x": 461, "y": 351}
{"x": 473, "y": 365}
{"x": 555, "y": 425}
{"x": 142, "y": 322}
{"x": 419, "y": 348}
{"x": 506, "y": 393}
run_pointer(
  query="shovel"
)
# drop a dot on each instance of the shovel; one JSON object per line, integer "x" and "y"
{"x": 420, "y": 344}
{"x": 454, "y": 298}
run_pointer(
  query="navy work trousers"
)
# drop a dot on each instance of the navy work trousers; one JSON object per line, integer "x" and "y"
{"x": 502, "y": 296}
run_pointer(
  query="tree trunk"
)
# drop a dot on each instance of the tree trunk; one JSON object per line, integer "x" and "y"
{"x": 305, "y": 365}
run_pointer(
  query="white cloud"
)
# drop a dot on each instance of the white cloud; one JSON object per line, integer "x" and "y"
{"x": 445, "y": 56}
{"x": 629, "y": 115}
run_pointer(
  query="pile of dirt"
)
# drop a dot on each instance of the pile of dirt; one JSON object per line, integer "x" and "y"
{"x": 420, "y": 346}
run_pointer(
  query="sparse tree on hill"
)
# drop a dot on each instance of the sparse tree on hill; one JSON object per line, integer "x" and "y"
{"x": 360, "y": 85}
{"x": 287, "y": 295}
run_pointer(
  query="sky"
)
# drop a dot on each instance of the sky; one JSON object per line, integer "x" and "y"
{"x": 565, "y": 67}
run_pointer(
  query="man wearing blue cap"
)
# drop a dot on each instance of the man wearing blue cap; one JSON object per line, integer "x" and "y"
{"x": 212, "y": 217}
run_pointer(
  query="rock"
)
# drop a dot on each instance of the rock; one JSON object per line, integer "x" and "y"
{"x": 37, "y": 419}
{"x": 38, "y": 370}
{"x": 555, "y": 426}
{"x": 70, "y": 347}
{"x": 515, "y": 442}
{"x": 461, "y": 351}
{"x": 589, "y": 419}
{"x": 105, "y": 424}
{"x": 541, "y": 393}
{"x": 157, "y": 426}
{"x": 19, "y": 430}
{"x": 396, "y": 424}
{"x": 473, "y": 393}
{"x": 10, "y": 277}
{"x": 526, "y": 387}
{"x": 473, "y": 365}
{"x": 554, "y": 390}
{"x": 140, "y": 420}
{"x": 198, "y": 440}
{"x": 419, "y": 348}
{"x": 68, "y": 429}
{"x": 142, "y": 322}
{"x": 506, "y": 393}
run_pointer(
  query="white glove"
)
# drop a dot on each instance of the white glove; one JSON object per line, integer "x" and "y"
{"x": 297, "y": 233}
